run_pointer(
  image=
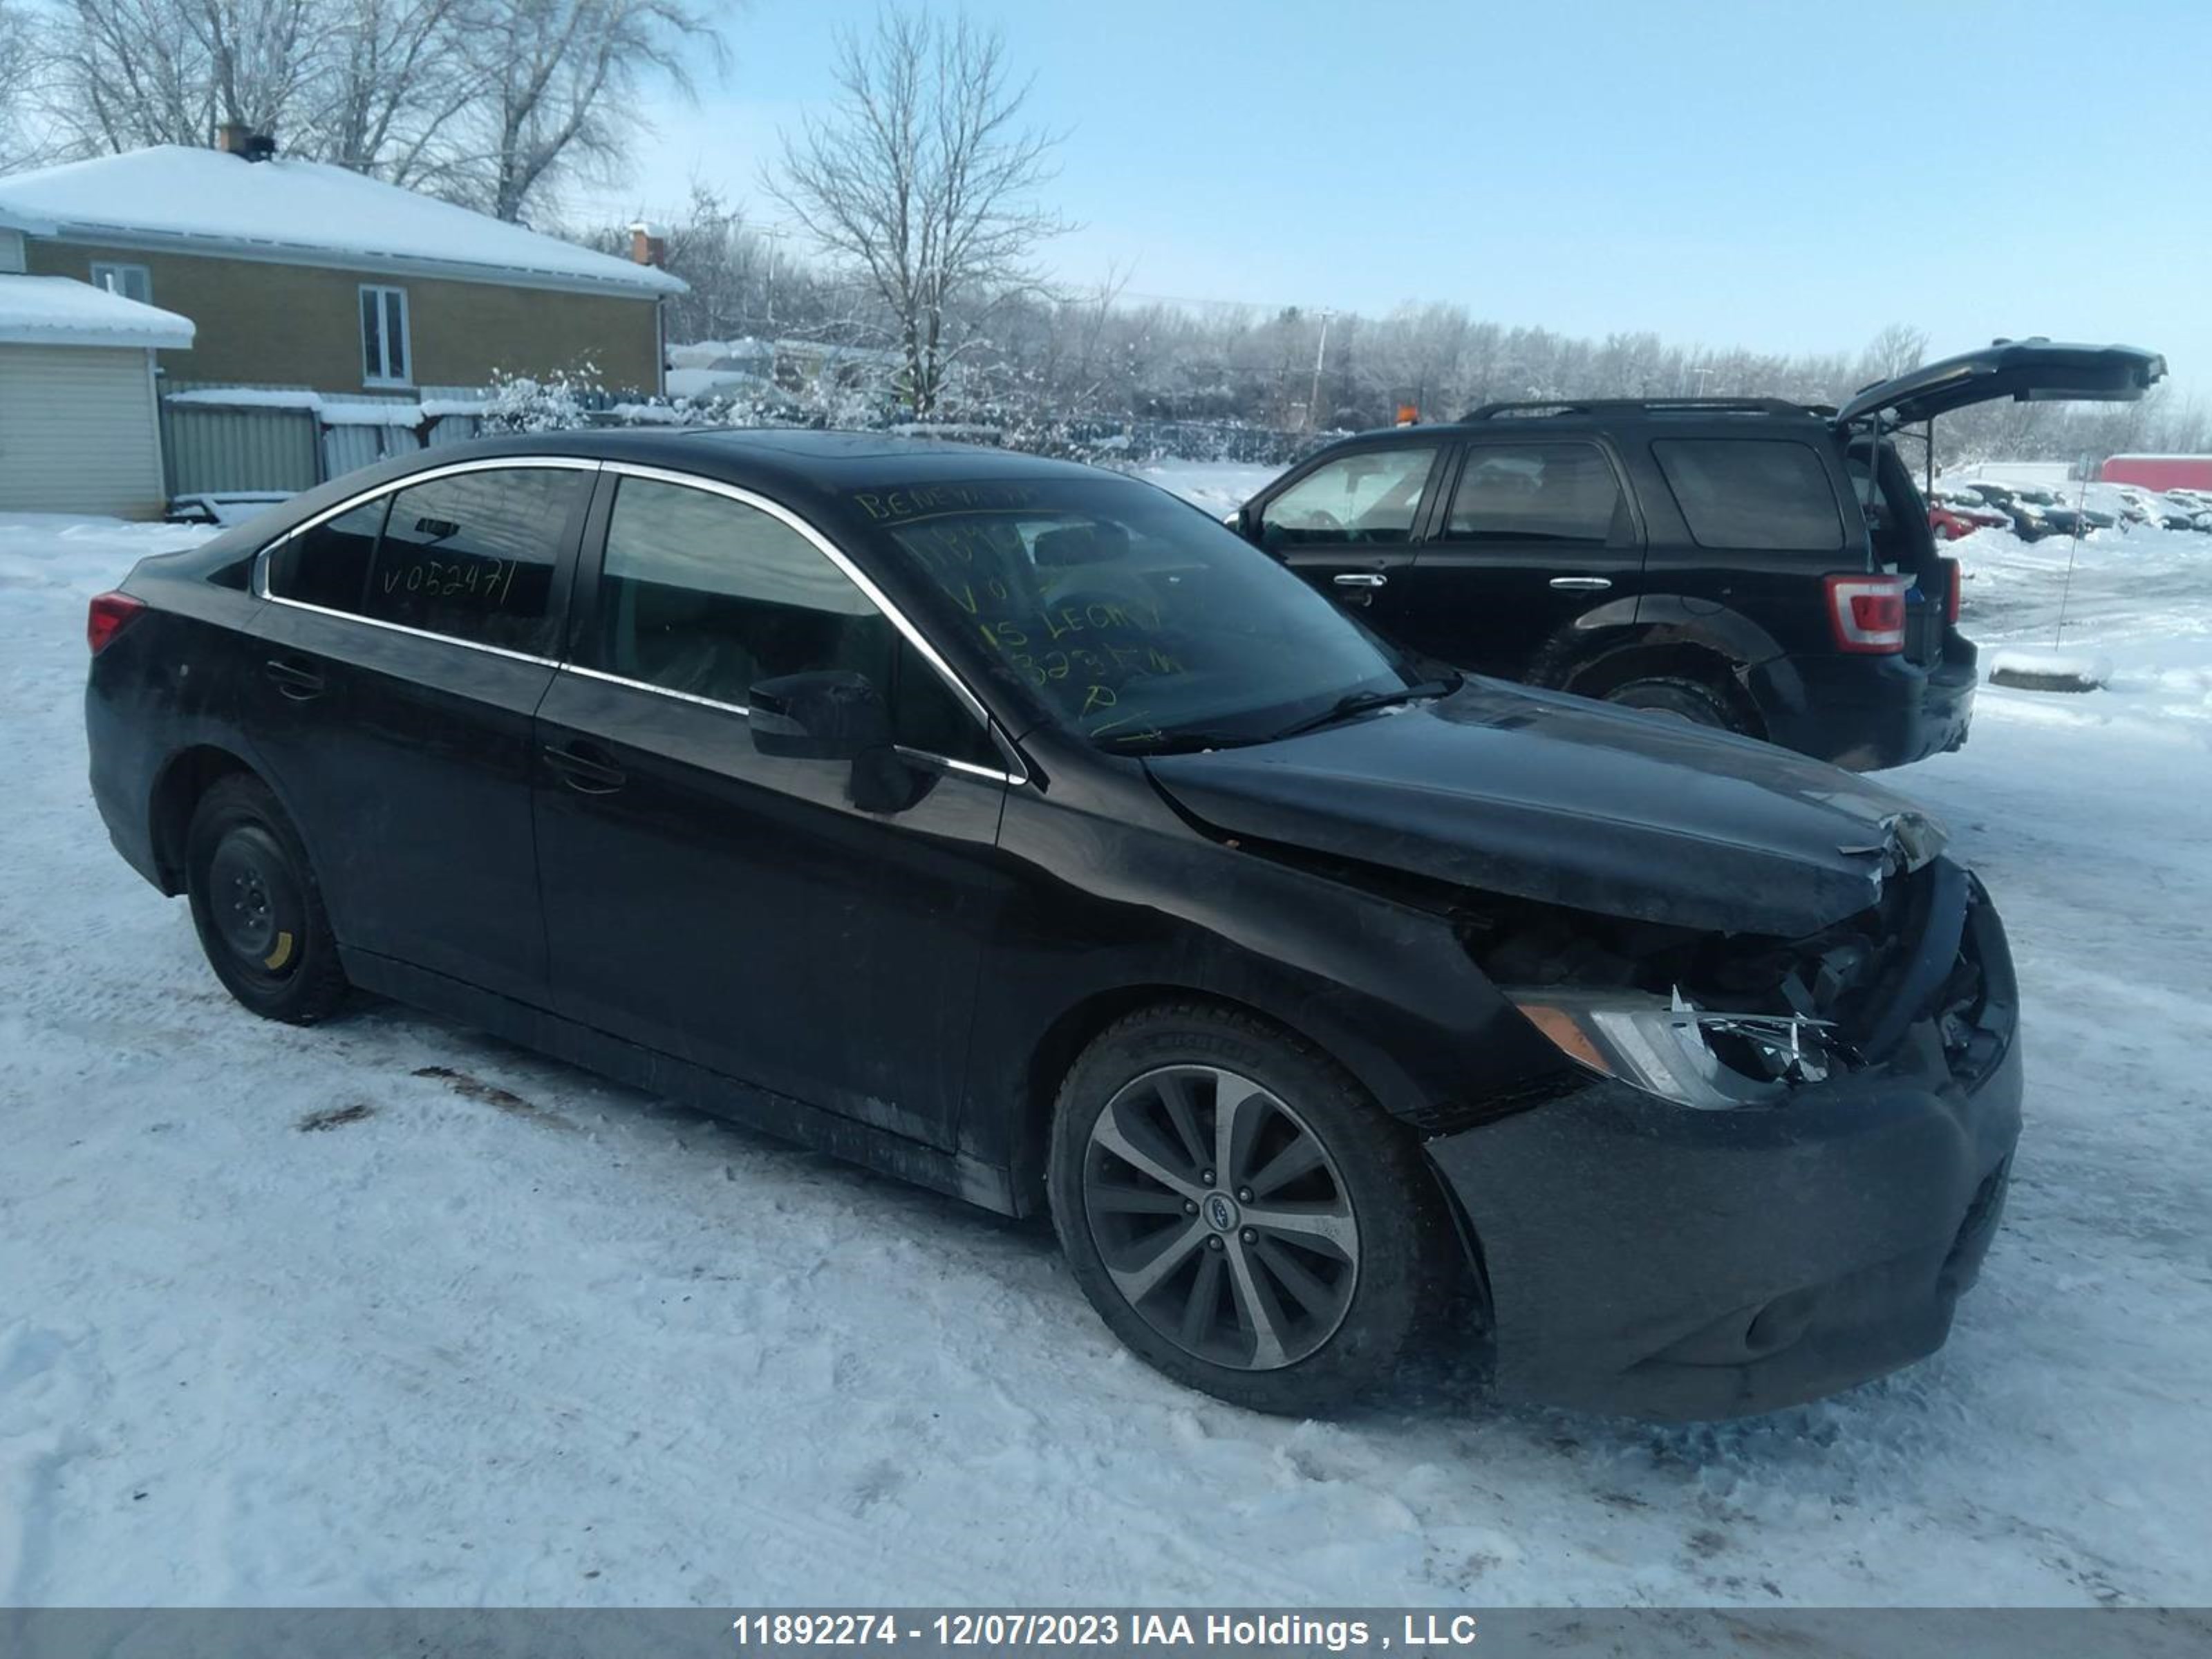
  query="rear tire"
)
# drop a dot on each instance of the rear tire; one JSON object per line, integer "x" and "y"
{"x": 1283, "y": 1261}
{"x": 1686, "y": 699}
{"x": 257, "y": 907}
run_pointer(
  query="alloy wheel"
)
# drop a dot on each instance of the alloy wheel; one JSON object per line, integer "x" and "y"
{"x": 1221, "y": 1218}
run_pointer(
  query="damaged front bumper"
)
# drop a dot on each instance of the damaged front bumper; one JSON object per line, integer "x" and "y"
{"x": 1669, "y": 1263}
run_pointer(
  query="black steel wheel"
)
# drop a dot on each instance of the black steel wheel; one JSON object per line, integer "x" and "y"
{"x": 255, "y": 905}
{"x": 1685, "y": 699}
{"x": 1241, "y": 1213}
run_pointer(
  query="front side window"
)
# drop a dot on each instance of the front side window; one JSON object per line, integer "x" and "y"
{"x": 1136, "y": 620}
{"x": 1371, "y": 496}
{"x": 1755, "y": 493}
{"x": 131, "y": 281}
{"x": 473, "y": 556}
{"x": 387, "y": 357}
{"x": 708, "y": 596}
{"x": 1534, "y": 493}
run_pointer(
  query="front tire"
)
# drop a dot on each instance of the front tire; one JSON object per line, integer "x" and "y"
{"x": 1241, "y": 1213}
{"x": 257, "y": 907}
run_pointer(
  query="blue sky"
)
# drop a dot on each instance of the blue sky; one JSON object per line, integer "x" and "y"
{"x": 1783, "y": 176}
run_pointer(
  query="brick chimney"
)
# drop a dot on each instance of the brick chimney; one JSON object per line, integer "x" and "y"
{"x": 238, "y": 138}
{"x": 646, "y": 246}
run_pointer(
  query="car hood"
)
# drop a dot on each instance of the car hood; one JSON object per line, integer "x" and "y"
{"x": 1557, "y": 799}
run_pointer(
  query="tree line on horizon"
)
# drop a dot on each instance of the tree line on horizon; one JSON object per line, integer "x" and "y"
{"x": 920, "y": 198}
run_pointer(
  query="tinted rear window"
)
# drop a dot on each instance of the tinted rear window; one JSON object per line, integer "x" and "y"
{"x": 1764, "y": 492}
{"x": 473, "y": 556}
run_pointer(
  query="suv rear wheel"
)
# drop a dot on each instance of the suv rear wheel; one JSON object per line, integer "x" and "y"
{"x": 255, "y": 905}
{"x": 1241, "y": 1213}
{"x": 1686, "y": 699}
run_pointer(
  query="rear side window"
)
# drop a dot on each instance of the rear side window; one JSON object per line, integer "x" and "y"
{"x": 1534, "y": 493}
{"x": 473, "y": 556}
{"x": 1752, "y": 493}
{"x": 328, "y": 565}
{"x": 704, "y": 595}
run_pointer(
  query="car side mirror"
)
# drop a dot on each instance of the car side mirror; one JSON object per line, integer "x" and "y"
{"x": 829, "y": 714}
{"x": 836, "y": 714}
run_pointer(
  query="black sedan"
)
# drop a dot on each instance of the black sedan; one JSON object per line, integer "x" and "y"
{"x": 1013, "y": 827}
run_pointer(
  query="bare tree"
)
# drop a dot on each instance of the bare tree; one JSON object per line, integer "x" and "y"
{"x": 923, "y": 178}
{"x": 15, "y": 58}
{"x": 127, "y": 73}
{"x": 486, "y": 101}
{"x": 1891, "y": 353}
{"x": 562, "y": 78}
{"x": 393, "y": 87}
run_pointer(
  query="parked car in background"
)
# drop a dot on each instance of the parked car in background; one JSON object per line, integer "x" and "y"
{"x": 1754, "y": 565}
{"x": 2195, "y": 505}
{"x": 2024, "y": 507}
{"x": 1954, "y": 513}
{"x": 2170, "y": 513}
{"x": 1010, "y": 827}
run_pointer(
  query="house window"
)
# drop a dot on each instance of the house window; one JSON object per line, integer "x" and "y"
{"x": 131, "y": 281}
{"x": 385, "y": 358}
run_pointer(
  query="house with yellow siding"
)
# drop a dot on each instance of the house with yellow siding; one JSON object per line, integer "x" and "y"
{"x": 296, "y": 273}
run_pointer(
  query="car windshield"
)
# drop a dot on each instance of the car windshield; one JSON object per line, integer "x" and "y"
{"x": 1141, "y": 622}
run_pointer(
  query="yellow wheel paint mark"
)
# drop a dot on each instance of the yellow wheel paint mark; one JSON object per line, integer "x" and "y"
{"x": 282, "y": 954}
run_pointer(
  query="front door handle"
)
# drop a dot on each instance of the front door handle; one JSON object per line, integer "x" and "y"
{"x": 1369, "y": 579}
{"x": 1583, "y": 584}
{"x": 295, "y": 680}
{"x": 585, "y": 773}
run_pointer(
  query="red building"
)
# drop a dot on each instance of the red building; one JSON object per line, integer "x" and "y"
{"x": 2159, "y": 471}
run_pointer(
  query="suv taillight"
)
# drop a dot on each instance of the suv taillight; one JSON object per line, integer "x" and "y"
{"x": 110, "y": 615}
{"x": 1951, "y": 578}
{"x": 1867, "y": 613}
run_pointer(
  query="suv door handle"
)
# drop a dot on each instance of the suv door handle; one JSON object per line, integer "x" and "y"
{"x": 1583, "y": 584}
{"x": 583, "y": 773}
{"x": 295, "y": 680}
{"x": 1367, "y": 578}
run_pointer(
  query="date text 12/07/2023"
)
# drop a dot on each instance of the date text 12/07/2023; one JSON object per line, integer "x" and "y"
{"x": 1399, "y": 1631}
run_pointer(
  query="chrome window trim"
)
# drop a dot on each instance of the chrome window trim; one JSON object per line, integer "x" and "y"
{"x": 919, "y": 757}
{"x": 860, "y": 580}
{"x": 601, "y": 675}
{"x": 415, "y": 632}
{"x": 258, "y": 585}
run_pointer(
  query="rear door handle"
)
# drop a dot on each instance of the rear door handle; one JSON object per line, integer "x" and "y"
{"x": 1367, "y": 578}
{"x": 585, "y": 773}
{"x": 295, "y": 680}
{"x": 1583, "y": 584}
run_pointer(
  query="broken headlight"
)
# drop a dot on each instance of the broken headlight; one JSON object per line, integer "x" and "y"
{"x": 1710, "y": 1058}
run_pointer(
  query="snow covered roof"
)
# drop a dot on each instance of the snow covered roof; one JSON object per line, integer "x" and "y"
{"x": 62, "y": 311}
{"x": 293, "y": 212}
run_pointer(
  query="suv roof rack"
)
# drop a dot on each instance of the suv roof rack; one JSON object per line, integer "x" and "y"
{"x": 1648, "y": 405}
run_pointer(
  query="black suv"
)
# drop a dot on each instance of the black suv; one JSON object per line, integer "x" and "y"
{"x": 1761, "y": 566}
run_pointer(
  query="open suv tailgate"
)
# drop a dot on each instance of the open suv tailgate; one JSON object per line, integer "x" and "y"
{"x": 2027, "y": 371}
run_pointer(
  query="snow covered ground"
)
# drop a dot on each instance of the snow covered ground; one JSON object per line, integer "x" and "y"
{"x": 389, "y": 1312}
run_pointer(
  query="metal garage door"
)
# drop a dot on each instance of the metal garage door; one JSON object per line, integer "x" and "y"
{"x": 78, "y": 431}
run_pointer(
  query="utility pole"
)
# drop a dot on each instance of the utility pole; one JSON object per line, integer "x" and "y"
{"x": 1312, "y": 403}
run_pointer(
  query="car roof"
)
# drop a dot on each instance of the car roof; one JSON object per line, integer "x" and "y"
{"x": 779, "y": 460}
{"x": 1525, "y": 421}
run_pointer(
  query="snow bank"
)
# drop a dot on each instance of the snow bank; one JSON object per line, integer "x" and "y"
{"x": 330, "y": 411}
{"x": 2048, "y": 671}
{"x": 285, "y": 1320}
